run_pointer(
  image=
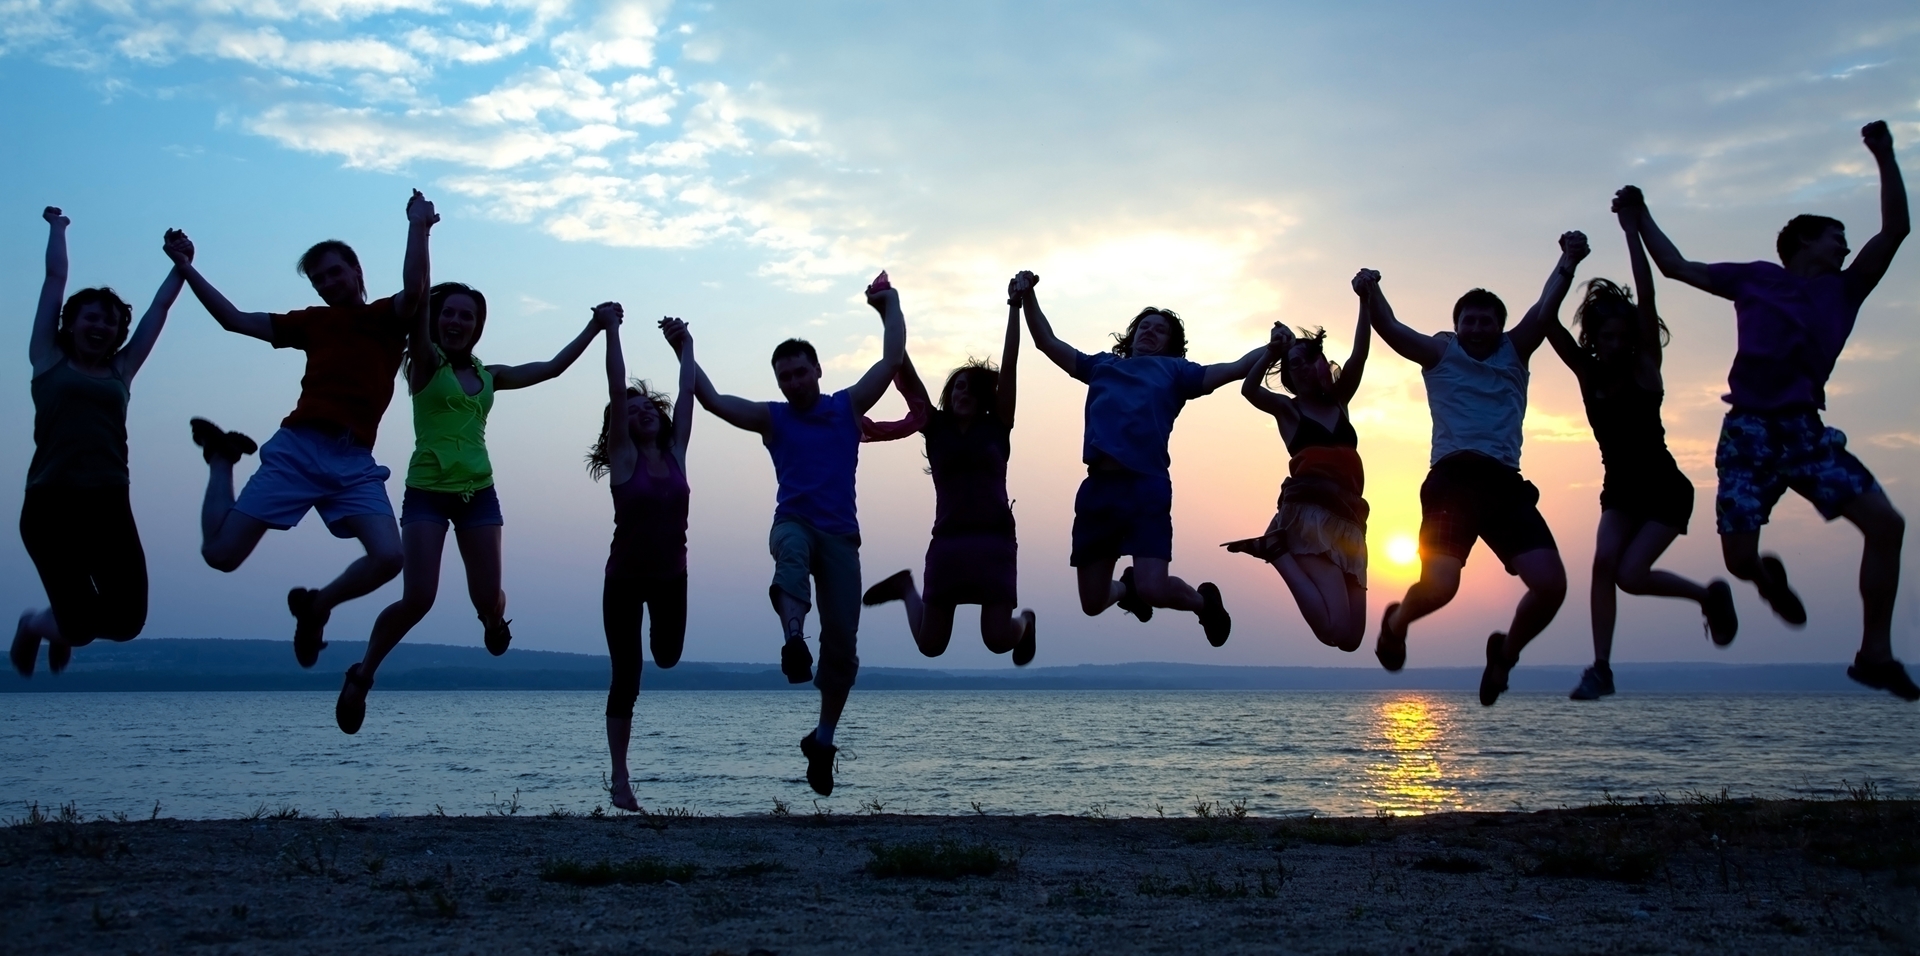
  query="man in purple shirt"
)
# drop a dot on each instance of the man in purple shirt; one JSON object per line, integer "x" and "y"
{"x": 814, "y": 440}
{"x": 1794, "y": 318}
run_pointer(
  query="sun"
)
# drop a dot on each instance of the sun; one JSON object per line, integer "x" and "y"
{"x": 1402, "y": 550}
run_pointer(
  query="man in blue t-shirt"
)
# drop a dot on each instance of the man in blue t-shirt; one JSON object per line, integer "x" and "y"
{"x": 1125, "y": 505}
{"x": 814, "y": 440}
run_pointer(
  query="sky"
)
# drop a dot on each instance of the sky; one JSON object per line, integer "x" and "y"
{"x": 750, "y": 165}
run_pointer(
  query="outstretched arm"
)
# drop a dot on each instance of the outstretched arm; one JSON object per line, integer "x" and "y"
{"x": 1665, "y": 254}
{"x": 732, "y": 409}
{"x": 622, "y": 457}
{"x": 416, "y": 271}
{"x": 1062, "y": 354}
{"x": 680, "y": 338}
{"x": 533, "y": 373}
{"x": 1648, "y": 315}
{"x": 1220, "y": 373}
{"x": 1254, "y": 388}
{"x": 1005, "y": 392}
{"x": 866, "y": 392}
{"x": 1874, "y": 257}
{"x": 140, "y": 344}
{"x": 1423, "y": 350}
{"x": 257, "y": 324}
{"x": 1349, "y": 383}
{"x": 43, "y": 349}
{"x": 1533, "y": 327}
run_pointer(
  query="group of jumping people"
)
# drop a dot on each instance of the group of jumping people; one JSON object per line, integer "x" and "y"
{"x": 1793, "y": 319}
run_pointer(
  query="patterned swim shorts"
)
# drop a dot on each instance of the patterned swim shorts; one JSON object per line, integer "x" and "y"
{"x": 1761, "y": 456}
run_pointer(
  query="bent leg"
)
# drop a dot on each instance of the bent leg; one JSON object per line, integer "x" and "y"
{"x": 1161, "y": 589}
{"x": 1000, "y": 628}
{"x": 1617, "y": 528}
{"x": 422, "y": 543}
{"x": 119, "y": 572}
{"x": 1885, "y": 530}
{"x": 1546, "y": 580}
{"x": 1098, "y": 589}
{"x": 836, "y": 577}
{"x": 480, "y": 550}
{"x": 1439, "y": 582}
{"x": 935, "y": 628}
{"x": 667, "y": 609}
{"x": 382, "y": 563}
{"x": 1637, "y": 575}
{"x": 1320, "y": 589}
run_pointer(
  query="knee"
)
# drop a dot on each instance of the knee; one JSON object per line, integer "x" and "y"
{"x": 1632, "y": 580}
{"x": 220, "y": 559}
{"x": 1887, "y": 530}
{"x": 387, "y": 564}
{"x": 1092, "y": 604}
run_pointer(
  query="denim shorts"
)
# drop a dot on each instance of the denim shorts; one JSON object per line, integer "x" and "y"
{"x": 480, "y": 509}
{"x": 303, "y": 469}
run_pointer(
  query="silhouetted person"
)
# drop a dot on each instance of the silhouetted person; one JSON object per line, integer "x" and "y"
{"x": 1793, "y": 319}
{"x": 1476, "y": 377}
{"x": 77, "y": 520}
{"x": 814, "y": 441}
{"x": 322, "y": 456}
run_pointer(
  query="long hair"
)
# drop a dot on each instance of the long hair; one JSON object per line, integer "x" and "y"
{"x": 1608, "y": 301}
{"x": 102, "y": 295}
{"x": 437, "y": 300}
{"x": 598, "y": 464}
{"x": 983, "y": 381}
{"x": 1315, "y": 340}
{"x": 1176, "y": 342}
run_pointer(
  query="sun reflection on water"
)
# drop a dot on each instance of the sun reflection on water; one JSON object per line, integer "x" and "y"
{"x": 1409, "y": 739}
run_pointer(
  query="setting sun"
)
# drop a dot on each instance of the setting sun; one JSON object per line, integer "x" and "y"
{"x": 1402, "y": 550}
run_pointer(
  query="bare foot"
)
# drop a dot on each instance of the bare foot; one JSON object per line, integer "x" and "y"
{"x": 623, "y": 797}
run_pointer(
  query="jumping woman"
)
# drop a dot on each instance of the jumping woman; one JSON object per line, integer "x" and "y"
{"x": 1645, "y": 499}
{"x": 450, "y": 477}
{"x": 974, "y": 557}
{"x": 643, "y": 448}
{"x": 1318, "y": 539}
{"x": 77, "y": 521}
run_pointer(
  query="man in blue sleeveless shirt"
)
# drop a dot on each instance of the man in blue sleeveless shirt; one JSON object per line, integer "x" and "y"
{"x": 1476, "y": 380}
{"x": 814, "y": 440}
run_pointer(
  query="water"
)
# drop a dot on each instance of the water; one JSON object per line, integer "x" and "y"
{"x": 220, "y": 755}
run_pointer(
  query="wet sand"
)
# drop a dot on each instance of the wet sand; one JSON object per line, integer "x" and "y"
{"x": 1703, "y": 876}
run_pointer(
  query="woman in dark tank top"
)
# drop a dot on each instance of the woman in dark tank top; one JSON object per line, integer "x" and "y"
{"x": 643, "y": 449}
{"x": 77, "y": 520}
{"x": 974, "y": 556}
{"x": 1645, "y": 499}
{"x": 1317, "y": 539}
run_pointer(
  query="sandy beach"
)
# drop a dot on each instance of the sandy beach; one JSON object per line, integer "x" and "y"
{"x": 1704, "y": 875}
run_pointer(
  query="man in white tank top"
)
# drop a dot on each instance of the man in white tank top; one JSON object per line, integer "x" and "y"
{"x": 1476, "y": 379}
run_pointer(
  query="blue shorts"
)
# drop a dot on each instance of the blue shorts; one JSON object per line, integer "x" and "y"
{"x": 303, "y": 468}
{"x": 480, "y": 509}
{"x": 1122, "y": 513}
{"x": 1761, "y": 456}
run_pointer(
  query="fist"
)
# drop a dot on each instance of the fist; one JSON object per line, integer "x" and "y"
{"x": 178, "y": 247}
{"x": 880, "y": 292}
{"x": 1365, "y": 281}
{"x": 608, "y": 315}
{"x": 1628, "y": 200}
{"x": 1280, "y": 339}
{"x": 1878, "y": 138}
{"x": 53, "y": 217}
{"x": 1573, "y": 245}
{"x": 675, "y": 330}
{"x": 420, "y": 210}
{"x": 1021, "y": 284}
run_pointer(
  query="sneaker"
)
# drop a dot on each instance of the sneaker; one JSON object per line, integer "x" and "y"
{"x": 25, "y": 651}
{"x": 1595, "y": 683}
{"x": 1493, "y": 680}
{"x": 215, "y": 443}
{"x": 499, "y": 635}
{"x": 890, "y": 589}
{"x": 1780, "y": 597}
{"x": 1723, "y": 622}
{"x": 819, "y": 764}
{"x": 1392, "y": 652}
{"x": 1213, "y": 614}
{"x": 1887, "y": 675}
{"x": 350, "y": 711}
{"x": 796, "y": 661}
{"x": 1131, "y": 602}
{"x": 308, "y": 626}
{"x": 1023, "y": 652}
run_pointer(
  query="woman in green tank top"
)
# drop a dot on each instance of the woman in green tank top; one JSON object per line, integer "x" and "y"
{"x": 449, "y": 478}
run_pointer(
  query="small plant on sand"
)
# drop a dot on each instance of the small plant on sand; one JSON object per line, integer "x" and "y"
{"x": 1237, "y": 809}
{"x": 873, "y": 806}
{"x": 1868, "y": 792}
{"x": 607, "y": 873}
{"x": 780, "y": 808}
{"x": 937, "y": 860}
{"x": 505, "y": 808}
{"x": 1202, "y": 808}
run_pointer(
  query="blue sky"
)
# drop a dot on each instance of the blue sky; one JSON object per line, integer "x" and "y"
{"x": 749, "y": 165}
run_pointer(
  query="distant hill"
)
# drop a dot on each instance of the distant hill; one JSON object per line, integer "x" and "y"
{"x": 224, "y": 665}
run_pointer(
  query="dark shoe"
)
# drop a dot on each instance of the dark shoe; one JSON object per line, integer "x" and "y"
{"x": 1391, "y": 651}
{"x": 59, "y": 655}
{"x": 1213, "y": 614}
{"x": 307, "y": 627}
{"x": 224, "y": 445}
{"x": 1779, "y": 596}
{"x": 350, "y": 710}
{"x": 1130, "y": 601}
{"x": 796, "y": 661}
{"x": 1023, "y": 652}
{"x": 1493, "y": 680}
{"x": 25, "y": 651}
{"x": 1886, "y": 675}
{"x": 819, "y": 764}
{"x": 1723, "y": 622}
{"x": 499, "y": 635}
{"x": 1595, "y": 682}
{"x": 891, "y": 589}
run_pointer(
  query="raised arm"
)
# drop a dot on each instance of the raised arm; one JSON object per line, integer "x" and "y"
{"x": 423, "y": 360}
{"x": 622, "y": 457}
{"x": 1356, "y": 365}
{"x": 1570, "y": 352}
{"x": 416, "y": 271}
{"x": 1873, "y": 259}
{"x": 1648, "y": 315}
{"x": 1006, "y": 392}
{"x": 1220, "y": 373}
{"x": 1254, "y": 388}
{"x": 1665, "y": 254}
{"x": 680, "y": 338}
{"x": 533, "y": 373}
{"x": 1421, "y": 349}
{"x": 43, "y": 348}
{"x": 866, "y": 392}
{"x": 1062, "y": 354}
{"x": 732, "y": 409}
{"x": 257, "y": 324}
{"x": 140, "y": 344}
{"x": 1527, "y": 335}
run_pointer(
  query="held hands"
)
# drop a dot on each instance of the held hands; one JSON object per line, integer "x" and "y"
{"x": 1364, "y": 282}
{"x": 178, "y": 248}
{"x": 1020, "y": 287}
{"x": 881, "y": 293}
{"x": 1629, "y": 204}
{"x": 1280, "y": 341}
{"x": 420, "y": 212}
{"x": 607, "y": 316}
{"x": 1573, "y": 246}
{"x": 1878, "y": 138}
{"x": 54, "y": 218}
{"x": 677, "y": 334}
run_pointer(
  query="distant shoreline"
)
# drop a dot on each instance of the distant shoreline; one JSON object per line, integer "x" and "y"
{"x": 211, "y": 665}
